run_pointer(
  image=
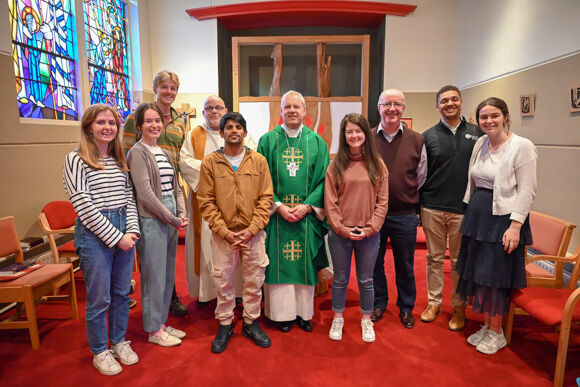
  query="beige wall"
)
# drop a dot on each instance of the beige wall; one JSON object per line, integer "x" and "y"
{"x": 421, "y": 108}
{"x": 554, "y": 130}
{"x": 419, "y": 48}
{"x": 496, "y": 37}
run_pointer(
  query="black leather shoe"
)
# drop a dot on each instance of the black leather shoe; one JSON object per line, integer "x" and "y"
{"x": 258, "y": 336}
{"x": 305, "y": 325}
{"x": 284, "y": 326}
{"x": 176, "y": 307}
{"x": 202, "y": 304}
{"x": 407, "y": 319}
{"x": 377, "y": 314}
{"x": 220, "y": 343}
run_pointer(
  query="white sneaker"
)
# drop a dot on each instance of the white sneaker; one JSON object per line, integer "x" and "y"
{"x": 166, "y": 340}
{"x": 368, "y": 332}
{"x": 476, "y": 337}
{"x": 176, "y": 332}
{"x": 336, "y": 329}
{"x": 492, "y": 342}
{"x": 125, "y": 353}
{"x": 106, "y": 364}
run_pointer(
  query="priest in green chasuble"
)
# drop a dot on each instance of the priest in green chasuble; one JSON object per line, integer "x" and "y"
{"x": 298, "y": 159}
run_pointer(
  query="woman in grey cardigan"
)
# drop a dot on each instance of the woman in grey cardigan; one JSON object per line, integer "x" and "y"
{"x": 161, "y": 214}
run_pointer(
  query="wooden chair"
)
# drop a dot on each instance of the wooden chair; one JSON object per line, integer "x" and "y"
{"x": 59, "y": 217}
{"x": 553, "y": 307}
{"x": 33, "y": 287}
{"x": 551, "y": 237}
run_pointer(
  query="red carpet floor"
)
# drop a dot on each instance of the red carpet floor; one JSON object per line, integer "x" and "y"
{"x": 429, "y": 354}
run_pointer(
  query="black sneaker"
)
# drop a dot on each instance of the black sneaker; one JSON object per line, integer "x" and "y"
{"x": 258, "y": 336}
{"x": 220, "y": 343}
{"x": 176, "y": 306}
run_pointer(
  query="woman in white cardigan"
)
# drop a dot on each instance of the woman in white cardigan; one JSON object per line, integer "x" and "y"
{"x": 500, "y": 191}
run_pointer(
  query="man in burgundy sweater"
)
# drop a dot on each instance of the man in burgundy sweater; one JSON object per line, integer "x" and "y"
{"x": 406, "y": 158}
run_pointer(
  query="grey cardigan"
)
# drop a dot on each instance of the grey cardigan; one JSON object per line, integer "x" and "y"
{"x": 147, "y": 183}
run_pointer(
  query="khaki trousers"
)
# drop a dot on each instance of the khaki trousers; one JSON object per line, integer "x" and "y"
{"x": 224, "y": 263}
{"x": 441, "y": 227}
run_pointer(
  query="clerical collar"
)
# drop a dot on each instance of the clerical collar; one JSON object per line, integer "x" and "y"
{"x": 208, "y": 129}
{"x": 389, "y": 137}
{"x": 292, "y": 133}
{"x": 453, "y": 129}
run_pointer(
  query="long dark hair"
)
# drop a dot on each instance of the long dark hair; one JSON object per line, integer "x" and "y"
{"x": 369, "y": 151}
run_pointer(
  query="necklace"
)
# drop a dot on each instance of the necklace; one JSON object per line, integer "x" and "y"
{"x": 292, "y": 166}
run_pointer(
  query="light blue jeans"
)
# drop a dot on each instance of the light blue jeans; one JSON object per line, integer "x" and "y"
{"x": 107, "y": 273}
{"x": 365, "y": 252}
{"x": 157, "y": 248}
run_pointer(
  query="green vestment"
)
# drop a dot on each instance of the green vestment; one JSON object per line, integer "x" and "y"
{"x": 296, "y": 250}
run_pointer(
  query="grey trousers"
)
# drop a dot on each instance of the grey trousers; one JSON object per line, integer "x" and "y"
{"x": 157, "y": 247}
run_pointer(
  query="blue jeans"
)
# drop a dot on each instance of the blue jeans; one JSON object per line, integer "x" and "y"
{"x": 365, "y": 254}
{"x": 402, "y": 230}
{"x": 157, "y": 248}
{"x": 107, "y": 272}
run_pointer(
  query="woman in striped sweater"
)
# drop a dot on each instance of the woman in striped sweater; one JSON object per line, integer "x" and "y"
{"x": 98, "y": 185}
{"x": 161, "y": 214}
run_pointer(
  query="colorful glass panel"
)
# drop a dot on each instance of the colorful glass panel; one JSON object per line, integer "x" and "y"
{"x": 107, "y": 53}
{"x": 43, "y": 47}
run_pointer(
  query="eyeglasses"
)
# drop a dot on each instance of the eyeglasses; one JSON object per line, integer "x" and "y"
{"x": 216, "y": 108}
{"x": 396, "y": 105}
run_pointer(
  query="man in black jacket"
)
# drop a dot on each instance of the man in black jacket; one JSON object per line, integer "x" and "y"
{"x": 449, "y": 144}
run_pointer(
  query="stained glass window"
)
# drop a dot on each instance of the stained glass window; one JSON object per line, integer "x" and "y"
{"x": 44, "y": 55}
{"x": 106, "y": 38}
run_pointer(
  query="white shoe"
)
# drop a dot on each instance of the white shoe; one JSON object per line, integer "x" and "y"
{"x": 106, "y": 364}
{"x": 476, "y": 337}
{"x": 492, "y": 342}
{"x": 176, "y": 332}
{"x": 336, "y": 328}
{"x": 368, "y": 332}
{"x": 166, "y": 340}
{"x": 125, "y": 353}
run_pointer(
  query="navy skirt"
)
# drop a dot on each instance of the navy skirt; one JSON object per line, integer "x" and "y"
{"x": 487, "y": 273}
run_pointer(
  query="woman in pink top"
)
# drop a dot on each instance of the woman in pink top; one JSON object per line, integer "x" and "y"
{"x": 355, "y": 199}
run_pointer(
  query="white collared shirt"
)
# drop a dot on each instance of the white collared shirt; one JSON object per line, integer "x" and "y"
{"x": 453, "y": 129}
{"x": 292, "y": 133}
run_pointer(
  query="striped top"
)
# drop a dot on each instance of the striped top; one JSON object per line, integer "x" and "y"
{"x": 165, "y": 169}
{"x": 94, "y": 190}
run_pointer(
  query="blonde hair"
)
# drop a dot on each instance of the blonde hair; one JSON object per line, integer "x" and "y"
{"x": 164, "y": 75}
{"x": 88, "y": 150}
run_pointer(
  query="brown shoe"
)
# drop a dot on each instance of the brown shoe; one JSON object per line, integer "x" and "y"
{"x": 377, "y": 314}
{"x": 430, "y": 314}
{"x": 457, "y": 321}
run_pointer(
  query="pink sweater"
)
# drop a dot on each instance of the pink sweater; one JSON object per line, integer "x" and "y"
{"x": 356, "y": 202}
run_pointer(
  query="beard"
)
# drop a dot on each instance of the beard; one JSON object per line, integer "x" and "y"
{"x": 213, "y": 122}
